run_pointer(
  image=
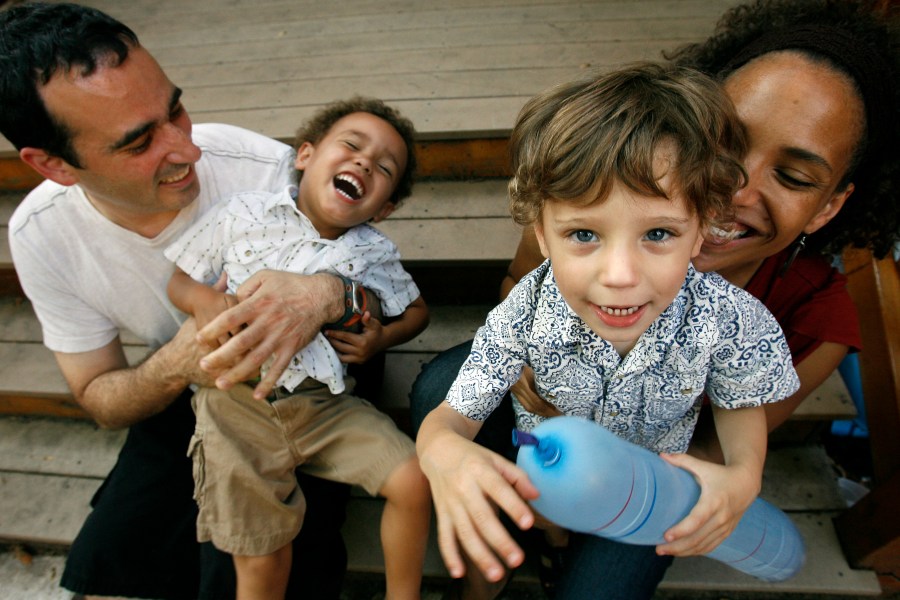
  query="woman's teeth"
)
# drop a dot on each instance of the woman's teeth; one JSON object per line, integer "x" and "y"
{"x": 726, "y": 234}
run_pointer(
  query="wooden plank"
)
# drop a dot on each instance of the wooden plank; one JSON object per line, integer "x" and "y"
{"x": 58, "y": 447}
{"x": 825, "y": 572}
{"x": 43, "y": 509}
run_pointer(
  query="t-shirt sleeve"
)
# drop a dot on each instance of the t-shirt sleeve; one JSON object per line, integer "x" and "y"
{"x": 751, "y": 364}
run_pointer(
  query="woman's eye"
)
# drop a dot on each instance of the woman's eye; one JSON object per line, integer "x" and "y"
{"x": 583, "y": 236}
{"x": 658, "y": 235}
{"x": 793, "y": 182}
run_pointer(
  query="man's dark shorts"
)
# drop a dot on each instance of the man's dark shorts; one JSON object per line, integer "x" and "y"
{"x": 140, "y": 538}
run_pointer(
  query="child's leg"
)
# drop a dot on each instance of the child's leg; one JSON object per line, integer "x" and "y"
{"x": 263, "y": 577}
{"x": 404, "y": 529}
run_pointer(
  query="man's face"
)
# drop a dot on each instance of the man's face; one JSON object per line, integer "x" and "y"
{"x": 132, "y": 137}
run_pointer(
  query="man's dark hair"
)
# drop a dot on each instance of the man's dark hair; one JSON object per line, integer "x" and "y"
{"x": 38, "y": 40}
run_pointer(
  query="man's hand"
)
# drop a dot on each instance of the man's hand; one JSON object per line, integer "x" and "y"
{"x": 526, "y": 393}
{"x": 278, "y": 314}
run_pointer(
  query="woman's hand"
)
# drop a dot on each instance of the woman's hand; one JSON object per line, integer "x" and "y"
{"x": 526, "y": 393}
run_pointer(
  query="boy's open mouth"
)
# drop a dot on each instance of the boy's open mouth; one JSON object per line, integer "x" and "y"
{"x": 349, "y": 186}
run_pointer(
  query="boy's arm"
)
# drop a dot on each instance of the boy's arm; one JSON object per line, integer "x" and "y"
{"x": 201, "y": 301}
{"x": 467, "y": 482}
{"x": 375, "y": 336}
{"x": 725, "y": 491}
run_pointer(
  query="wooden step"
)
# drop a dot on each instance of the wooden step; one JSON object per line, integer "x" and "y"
{"x": 30, "y": 382}
{"x": 50, "y": 468}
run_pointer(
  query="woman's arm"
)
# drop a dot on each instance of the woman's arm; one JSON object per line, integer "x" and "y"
{"x": 812, "y": 371}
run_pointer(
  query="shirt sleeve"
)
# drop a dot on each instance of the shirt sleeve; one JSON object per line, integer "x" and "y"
{"x": 498, "y": 354}
{"x": 387, "y": 279}
{"x": 751, "y": 364}
{"x": 199, "y": 251}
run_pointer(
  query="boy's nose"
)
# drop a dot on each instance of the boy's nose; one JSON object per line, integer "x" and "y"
{"x": 364, "y": 163}
{"x": 620, "y": 269}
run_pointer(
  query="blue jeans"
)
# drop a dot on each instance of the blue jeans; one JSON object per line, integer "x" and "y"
{"x": 594, "y": 567}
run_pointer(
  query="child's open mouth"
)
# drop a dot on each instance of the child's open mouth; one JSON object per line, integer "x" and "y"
{"x": 349, "y": 186}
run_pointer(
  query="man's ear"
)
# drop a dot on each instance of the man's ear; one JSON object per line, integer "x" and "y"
{"x": 385, "y": 211}
{"x": 304, "y": 152}
{"x": 51, "y": 167}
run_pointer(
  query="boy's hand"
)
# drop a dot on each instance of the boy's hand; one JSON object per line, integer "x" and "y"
{"x": 725, "y": 493}
{"x": 358, "y": 347}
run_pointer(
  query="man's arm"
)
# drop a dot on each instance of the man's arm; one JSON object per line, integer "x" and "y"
{"x": 277, "y": 314}
{"x": 116, "y": 395}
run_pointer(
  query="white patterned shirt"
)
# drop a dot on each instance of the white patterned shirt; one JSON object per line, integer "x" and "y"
{"x": 714, "y": 338}
{"x": 262, "y": 230}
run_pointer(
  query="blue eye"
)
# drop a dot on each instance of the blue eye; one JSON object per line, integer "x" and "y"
{"x": 584, "y": 236}
{"x": 658, "y": 235}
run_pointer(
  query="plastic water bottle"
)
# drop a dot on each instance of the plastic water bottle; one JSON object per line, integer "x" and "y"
{"x": 591, "y": 481}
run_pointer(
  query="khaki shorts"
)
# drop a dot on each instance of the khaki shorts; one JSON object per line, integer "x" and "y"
{"x": 245, "y": 451}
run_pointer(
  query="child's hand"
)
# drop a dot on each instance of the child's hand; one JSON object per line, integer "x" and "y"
{"x": 725, "y": 493}
{"x": 358, "y": 347}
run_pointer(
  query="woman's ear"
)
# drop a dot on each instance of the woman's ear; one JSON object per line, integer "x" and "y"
{"x": 827, "y": 212}
{"x": 50, "y": 167}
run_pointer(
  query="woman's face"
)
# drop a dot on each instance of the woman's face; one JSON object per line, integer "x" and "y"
{"x": 803, "y": 120}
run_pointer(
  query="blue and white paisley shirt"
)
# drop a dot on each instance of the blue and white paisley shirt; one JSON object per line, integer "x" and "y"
{"x": 713, "y": 338}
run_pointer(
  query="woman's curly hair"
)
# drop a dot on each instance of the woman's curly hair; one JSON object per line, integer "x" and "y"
{"x": 871, "y": 216}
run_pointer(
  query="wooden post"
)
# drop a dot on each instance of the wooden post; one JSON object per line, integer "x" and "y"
{"x": 870, "y": 530}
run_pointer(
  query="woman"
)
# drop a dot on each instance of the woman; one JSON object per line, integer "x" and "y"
{"x": 813, "y": 83}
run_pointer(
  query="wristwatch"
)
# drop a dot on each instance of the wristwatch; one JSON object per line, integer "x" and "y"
{"x": 355, "y": 302}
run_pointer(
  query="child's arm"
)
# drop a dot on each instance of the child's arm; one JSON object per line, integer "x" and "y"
{"x": 725, "y": 491}
{"x": 375, "y": 337}
{"x": 467, "y": 482}
{"x": 201, "y": 301}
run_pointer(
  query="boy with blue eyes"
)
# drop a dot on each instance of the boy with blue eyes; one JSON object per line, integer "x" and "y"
{"x": 620, "y": 175}
{"x": 355, "y": 161}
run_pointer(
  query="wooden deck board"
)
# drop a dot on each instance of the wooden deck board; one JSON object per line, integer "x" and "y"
{"x": 457, "y": 68}
{"x": 45, "y": 491}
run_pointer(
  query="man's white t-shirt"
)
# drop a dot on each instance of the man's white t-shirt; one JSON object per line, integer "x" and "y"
{"x": 88, "y": 278}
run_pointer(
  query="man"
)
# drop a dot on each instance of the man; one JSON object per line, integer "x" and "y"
{"x": 90, "y": 109}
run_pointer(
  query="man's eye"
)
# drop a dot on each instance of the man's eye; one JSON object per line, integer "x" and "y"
{"x": 140, "y": 148}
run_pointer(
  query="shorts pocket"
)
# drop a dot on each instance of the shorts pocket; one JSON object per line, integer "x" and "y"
{"x": 195, "y": 452}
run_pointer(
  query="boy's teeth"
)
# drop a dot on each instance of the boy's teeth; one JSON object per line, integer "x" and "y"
{"x": 619, "y": 312}
{"x": 355, "y": 186}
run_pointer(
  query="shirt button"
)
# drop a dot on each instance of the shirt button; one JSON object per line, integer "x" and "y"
{"x": 350, "y": 267}
{"x": 614, "y": 413}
